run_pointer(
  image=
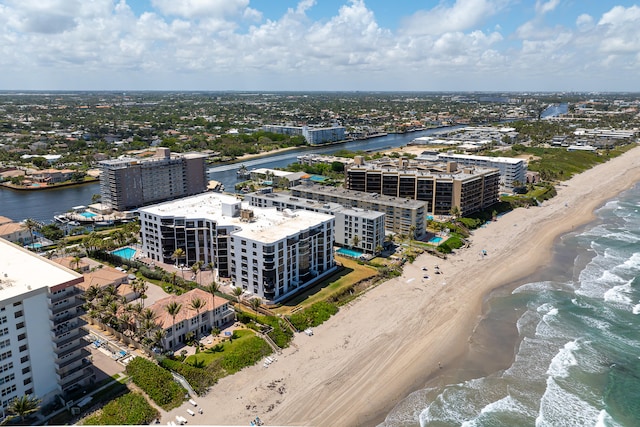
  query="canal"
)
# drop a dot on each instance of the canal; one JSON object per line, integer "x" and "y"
{"x": 44, "y": 204}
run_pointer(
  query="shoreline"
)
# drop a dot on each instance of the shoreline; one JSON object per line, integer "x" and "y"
{"x": 46, "y": 187}
{"x": 390, "y": 342}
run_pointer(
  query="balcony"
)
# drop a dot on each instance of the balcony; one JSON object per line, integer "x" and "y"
{"x": 71, "y": 337}
{"x": 68, "y": 294}
{"x": 74, "y": 376}
{"x": 72, "y": 359}
{"x": 68, "y": 350}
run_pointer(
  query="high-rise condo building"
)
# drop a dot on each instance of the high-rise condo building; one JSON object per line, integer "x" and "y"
{"x": 442, "y": 187}
{"x": 267, "y": 253}
{"x": 128, "y": 183}
{"x": 42, "y": 350}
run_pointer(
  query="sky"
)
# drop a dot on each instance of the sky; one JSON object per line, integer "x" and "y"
{"x": 320, "y": 45}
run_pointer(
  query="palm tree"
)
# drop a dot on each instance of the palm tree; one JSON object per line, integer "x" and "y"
{"x": 355, "y": 240}
{"x": 237, "y": 292}
{"x": 177, "y": 254}
{"x": 142, "y": 290}
{"x": 195, "y": 268}
{"x": 255, "y": 304}
{"x": 158, "y": 336}
{"x": 212, "y": 289}
{"x": 75, "y": 261}
{"x": 23, "y": 406}
{"x": 173, "y": 308}
{"x": 31, "y": 225}
{"x": 197, "y": 304}
{"x": 147, "y": 321}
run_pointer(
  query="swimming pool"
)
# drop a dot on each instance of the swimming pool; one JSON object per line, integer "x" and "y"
{"x": 350, "y": 252}
{"x": 126, "y": 253}
{"x": 435, "y": 240}
{"x": 87, "y": 214}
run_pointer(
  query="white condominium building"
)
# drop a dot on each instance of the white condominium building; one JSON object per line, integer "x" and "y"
{"x": 42, "y": 350}
{"x": 357, "y": 228}
{"x": 511, "y": 169}
{"x": 267, "y": 253}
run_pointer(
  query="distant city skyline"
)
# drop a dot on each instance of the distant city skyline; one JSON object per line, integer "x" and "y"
{"x": 323, "y": 45}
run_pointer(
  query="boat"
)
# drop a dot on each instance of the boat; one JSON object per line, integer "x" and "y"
{"x": 243, "y": 173}
{"x": 61, "y": 218}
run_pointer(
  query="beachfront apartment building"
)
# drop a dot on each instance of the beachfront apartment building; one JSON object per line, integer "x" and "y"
{"x": 215, "y": 313}
{"x": 313, "y": 135}
{"x": 269, "y": 254}
{"x": 512, "y": 170}
{"x": 442, "y": 187}
{"x": 42, "y": 349}
{"x": 128, "y": 183}
{"x": 400, "y": 215}
{"x": 355, "y": 228}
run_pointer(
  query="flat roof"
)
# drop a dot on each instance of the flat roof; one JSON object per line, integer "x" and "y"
{"x": 302, "y": 203}
{"x": 362, "y": 196}
{"x": 509, "y": 160}
{"x": 267, "y": 225}
{"x": 22, "y": 271}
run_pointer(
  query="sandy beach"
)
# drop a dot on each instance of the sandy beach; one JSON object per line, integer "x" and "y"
{"x": 393, "y": 339}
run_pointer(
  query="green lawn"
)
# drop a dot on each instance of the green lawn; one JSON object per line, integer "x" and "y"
{"x": 217, "y": 352}
{"x": 351, "y": 272}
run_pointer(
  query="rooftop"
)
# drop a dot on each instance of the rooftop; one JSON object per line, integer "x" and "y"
{"x": 379, "y": 199}
{"x": 266, "y": 225}
{"x": 22, "y": 271}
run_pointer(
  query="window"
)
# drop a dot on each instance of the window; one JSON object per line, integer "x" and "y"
{"x": 5, "y": 355}
{"x": 27, "y": 381}
{"x": 18, "y": 314}
{"x": 22, "y": 336}
{"x": 24, "y": 359}
{"x": 23, "y": 348}
{"x": 4, "y": 331}
{"x": 18, "y": 325}
{"x": 26, "y": 370}
{"x": 15, "y": 304}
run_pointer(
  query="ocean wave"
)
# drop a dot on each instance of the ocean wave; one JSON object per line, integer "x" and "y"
{"x": 562, "y": 361}
{"x": 620, "y": 295}
{"x": 559, "y": 408}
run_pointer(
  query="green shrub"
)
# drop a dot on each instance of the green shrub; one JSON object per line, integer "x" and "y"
{"x": 130, "y": 409}
{"x": 314, "y": 315}
{"x": 280, "y": 333}
{"x": 199, "y": 379}
{"x": 246, "y": 353}
{"x": 157, "y": 382}
{"x": 453, "y": 242}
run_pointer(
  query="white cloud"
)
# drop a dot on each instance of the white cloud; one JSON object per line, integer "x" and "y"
{"x": 543, "y": 7}
{"x": 462, "y": 15}
{"x": 200, "y": 8}
{"x": 585, "y": 22}
{"x": 197, "y": 44}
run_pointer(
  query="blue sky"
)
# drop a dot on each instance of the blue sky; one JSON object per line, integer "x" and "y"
{"x": 489, "y": 45}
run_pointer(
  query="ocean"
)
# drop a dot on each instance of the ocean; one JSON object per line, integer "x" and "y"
{"x": 575, "y": 342}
